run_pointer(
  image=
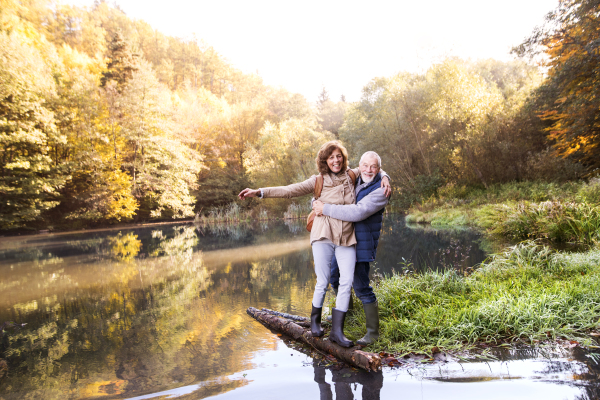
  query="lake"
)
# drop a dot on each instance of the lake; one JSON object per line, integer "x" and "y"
{"x": 159, "y": 311}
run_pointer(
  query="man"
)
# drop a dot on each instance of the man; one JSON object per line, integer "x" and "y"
{"x": 367, "y": 215}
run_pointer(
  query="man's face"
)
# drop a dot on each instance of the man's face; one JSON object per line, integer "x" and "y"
{"x": 368, "y": 168}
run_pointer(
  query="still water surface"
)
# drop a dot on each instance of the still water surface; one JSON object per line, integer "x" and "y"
{"x": 159, "y": 312}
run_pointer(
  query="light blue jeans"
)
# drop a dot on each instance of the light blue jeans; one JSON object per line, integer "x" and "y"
{"x": 323, "y": 252}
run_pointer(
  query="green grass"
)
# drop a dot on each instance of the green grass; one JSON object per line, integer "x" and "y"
{"x": 441, "y": 217}
{"x": 557, "y": 213}
{"x": 528, "y": 292}
{"x": 554, "y": 221}
{"x": 457, "y": 196}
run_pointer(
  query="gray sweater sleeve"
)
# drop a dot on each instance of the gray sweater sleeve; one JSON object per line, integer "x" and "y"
{"x": 366, "y": 207}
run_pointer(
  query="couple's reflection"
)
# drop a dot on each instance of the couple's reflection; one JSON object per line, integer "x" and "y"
{"x": 343, "y": 379}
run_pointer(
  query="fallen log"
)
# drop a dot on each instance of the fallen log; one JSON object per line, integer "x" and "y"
{"x": 352, "y": 356}
{"x": 302, "y": 321}
{"x": 285, "y": 315}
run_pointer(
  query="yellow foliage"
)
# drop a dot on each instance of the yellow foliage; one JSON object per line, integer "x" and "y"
{"x": 75, "y": 60}
{"x": 103, "y": 388}
{"x": 123, "y": 204}
{"x": 125, "y": 247}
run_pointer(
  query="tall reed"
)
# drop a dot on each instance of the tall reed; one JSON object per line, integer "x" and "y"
{"x": 297, "y": 211}
{"x": 229, "y": 214}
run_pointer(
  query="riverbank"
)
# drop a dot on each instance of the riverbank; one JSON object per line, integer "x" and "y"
{"x": 554, "y": 213}
{"x": 528, "y": 293}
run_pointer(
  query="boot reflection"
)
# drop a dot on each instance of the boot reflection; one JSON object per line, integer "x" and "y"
{"x": 324, "y": 387}
{"x": 343, "y": 379}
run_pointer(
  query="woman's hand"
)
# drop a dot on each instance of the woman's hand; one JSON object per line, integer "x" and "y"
{"x": 385, "y": 184}
{"x": 244, "y": 194}
{"x": 317, "y": 206}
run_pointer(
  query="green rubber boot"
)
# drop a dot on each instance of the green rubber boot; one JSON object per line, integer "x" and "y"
{"x": 372, "y": 317}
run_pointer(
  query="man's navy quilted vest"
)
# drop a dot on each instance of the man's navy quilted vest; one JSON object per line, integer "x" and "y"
{"x": 368, "y": 230}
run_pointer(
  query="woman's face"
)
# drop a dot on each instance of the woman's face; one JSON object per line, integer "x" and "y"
{"x": 335, "y": 161}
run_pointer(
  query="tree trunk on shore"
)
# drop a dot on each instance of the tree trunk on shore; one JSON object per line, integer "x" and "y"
{"x": 352, "y": 356}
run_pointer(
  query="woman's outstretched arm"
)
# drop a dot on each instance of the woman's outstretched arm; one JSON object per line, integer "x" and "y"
{"x": 289, "y": 191}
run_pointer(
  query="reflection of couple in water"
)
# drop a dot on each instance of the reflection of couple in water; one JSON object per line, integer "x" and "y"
{"x": 371, "y": 383}
{"x": 344, "y": 234}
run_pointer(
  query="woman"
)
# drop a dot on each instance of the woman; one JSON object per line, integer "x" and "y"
{"x": 328, "y": 236}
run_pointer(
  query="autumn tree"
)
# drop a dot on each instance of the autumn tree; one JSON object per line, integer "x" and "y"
{"x": 329, "y": 113}
{"x": 29, "y": 179}
{"x": 163, "y": 168}
{"x": 569, "y": 99}
{"x": 122, "y": 62}
{"x": 105, "y": 119}
{"x": 98, "y": 188}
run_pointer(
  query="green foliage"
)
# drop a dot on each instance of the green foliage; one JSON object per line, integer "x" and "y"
{"x": 536, "y": 191}
{"x": 122, "y": 63}
{"x": 29, "y": 179}
{"x": 440, "y": 217}
{"x": 460, "y": 123}
{"x": 528, "y": 292}
{"x": 424, "y": 187}
{"x": 330, "y": 114}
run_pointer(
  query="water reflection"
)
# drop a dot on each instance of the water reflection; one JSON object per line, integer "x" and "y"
{"x": 345, "y": 382}
{"x": 142, "y": 311}
{"x": 425, "y": 248}
{"x": 145, "y": 311}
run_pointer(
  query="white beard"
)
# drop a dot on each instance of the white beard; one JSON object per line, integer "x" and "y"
{"x": 367, "y": 179}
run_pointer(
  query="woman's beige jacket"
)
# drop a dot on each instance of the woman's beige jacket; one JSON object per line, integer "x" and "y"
{"x": 337, "y": 189}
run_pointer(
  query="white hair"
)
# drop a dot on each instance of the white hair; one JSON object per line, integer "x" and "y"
{"x": 371, "y": 154}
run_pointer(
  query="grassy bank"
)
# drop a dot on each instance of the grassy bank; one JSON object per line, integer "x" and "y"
{"x": 528, "y": 292}
{"x": 558, "y": 213}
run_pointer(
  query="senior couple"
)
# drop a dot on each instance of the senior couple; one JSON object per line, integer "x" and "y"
{"x": 344, "y": 234}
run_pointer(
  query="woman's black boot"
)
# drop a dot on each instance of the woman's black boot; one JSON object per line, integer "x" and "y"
{"x": 337, "y": 328}
{"x": 315, "y": 322}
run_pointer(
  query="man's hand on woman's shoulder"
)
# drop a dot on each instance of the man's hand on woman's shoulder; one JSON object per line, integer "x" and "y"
{"x": 385, "y": 184}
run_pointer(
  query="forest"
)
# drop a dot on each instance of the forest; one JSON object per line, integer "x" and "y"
{"x": 103, "y": 119}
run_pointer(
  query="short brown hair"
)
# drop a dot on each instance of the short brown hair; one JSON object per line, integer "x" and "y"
{"x": 324, "y": 153}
